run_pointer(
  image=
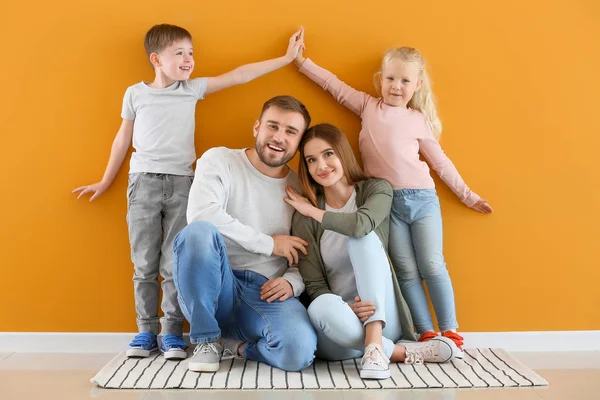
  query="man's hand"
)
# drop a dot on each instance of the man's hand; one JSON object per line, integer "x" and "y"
{"x": 278, "y": 288}
{"x": 362, "y": 309}
{"x": 288, "y": 246}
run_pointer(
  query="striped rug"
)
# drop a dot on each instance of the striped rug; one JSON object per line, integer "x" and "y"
{"x": 479, "y": 368}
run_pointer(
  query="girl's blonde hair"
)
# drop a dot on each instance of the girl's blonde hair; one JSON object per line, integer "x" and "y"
{"x": 423, "y": 100}
{"x": 341, "y": 147}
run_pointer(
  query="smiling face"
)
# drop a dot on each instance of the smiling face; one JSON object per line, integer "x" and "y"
{"x": 327, "y": 162}
{"x": 324, "y": 165}
{"x": 176, "y": 61}
{"x": 278, "y": 135}
{"x": 399, "y": 82}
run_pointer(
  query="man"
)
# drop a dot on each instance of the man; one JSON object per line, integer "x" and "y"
{"x": 234, "y": 264}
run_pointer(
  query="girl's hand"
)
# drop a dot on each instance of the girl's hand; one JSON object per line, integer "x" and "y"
{"x": 299, "y": 202}
{"x": 300, "y": 55}
{"x": 362, "y": 309}
{"x": 295, "y": 46}
{"x": 482, "y": 206}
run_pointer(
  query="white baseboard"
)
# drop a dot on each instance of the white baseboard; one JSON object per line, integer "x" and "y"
{"x": 535, "y": 340}
{"x": 58, "y": 342}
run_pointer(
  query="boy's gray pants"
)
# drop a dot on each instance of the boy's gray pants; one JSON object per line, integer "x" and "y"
{"x": 156, "y": 212}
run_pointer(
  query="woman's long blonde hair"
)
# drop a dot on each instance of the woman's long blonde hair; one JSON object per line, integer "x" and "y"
{"x": 423, "y": 100}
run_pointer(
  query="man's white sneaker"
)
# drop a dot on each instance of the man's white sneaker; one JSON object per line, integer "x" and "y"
{"x": 374, "y": 363}
{"x": 436, "y": 350}
{"x": 206, "y": 358}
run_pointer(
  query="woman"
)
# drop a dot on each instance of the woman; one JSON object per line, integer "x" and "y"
{"x": 356, "y": 305}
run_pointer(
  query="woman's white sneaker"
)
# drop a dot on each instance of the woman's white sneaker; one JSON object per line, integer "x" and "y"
{"x": 374, "y": 364}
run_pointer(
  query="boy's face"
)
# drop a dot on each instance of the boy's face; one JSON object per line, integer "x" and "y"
{"x": 175, "y": 61}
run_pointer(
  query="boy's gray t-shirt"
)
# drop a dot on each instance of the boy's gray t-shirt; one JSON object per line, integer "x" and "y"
{"x": 163, "y": 128}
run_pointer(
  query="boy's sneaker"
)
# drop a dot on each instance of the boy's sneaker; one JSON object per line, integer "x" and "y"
{"x": 230, "y": 348}
{"x": 206, "y": 358}
{"x": 143, "y": 345}
{"x": 173, "y": 347}
{"x": 374, "y": 363}
{"x": 436, "y": 350}
{"x": 458, "y": 341}
{"x": 426, "y": 336}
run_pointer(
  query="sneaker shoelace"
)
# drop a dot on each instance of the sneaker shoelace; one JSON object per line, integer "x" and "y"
{"x": 173, "y": 341}
{"x": 231, "y": 348}
{"x": 417, "y": 355}
{"x": 205, "y": 348}
{"x": 374, "y": 356}
{"x": 142, "y": 339}
{"x": 229, "y": 353}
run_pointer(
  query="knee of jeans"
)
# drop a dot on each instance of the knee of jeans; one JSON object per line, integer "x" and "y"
{"x": 320, "y": 308}
{"x": 364, "y": 243}
{"x": 198, "y": 233}
{"x": 198, "y": 229}
{"x": 295, "y": 350}
{"x": 408, "y": 274}
{"x": 145, "y": 275}
{"x": 433, "y": 268}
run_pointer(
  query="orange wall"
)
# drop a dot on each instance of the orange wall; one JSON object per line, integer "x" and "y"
{"x": 518, "y": 88}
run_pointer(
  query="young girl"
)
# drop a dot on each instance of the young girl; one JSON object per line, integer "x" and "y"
{"x": 356, "y": 302}
{"x": 396, "y": 128}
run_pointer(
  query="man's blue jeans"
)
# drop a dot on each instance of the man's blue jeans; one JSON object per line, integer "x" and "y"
{"x": 221, "y": 302}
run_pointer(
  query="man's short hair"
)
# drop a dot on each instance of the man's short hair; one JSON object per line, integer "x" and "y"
{"x": 287, "y": 103}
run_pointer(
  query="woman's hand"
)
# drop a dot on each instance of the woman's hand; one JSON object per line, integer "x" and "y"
{"x": 299, "y": 202}
{"x": 362, "y": 309}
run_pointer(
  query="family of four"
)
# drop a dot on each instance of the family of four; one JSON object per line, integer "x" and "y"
{"x": 240, "y": 240}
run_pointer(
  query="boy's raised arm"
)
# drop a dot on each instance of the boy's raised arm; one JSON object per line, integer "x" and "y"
{"x": 248, "y": 72}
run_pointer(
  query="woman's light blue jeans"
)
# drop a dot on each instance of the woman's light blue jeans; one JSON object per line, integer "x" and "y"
{"x": 340, "y": 334}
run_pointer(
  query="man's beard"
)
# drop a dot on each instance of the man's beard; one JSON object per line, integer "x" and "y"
{"x": 264, "y": 157}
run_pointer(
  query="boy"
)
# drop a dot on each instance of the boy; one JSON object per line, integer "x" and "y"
{"x": 159, "y": 118}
